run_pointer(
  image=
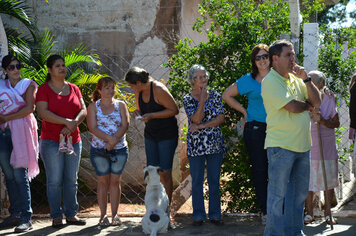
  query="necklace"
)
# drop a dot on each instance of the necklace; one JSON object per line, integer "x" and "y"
{"x": 58, "y": 91}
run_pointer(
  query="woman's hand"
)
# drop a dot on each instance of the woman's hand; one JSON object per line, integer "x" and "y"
{"x": 65, "y": 131}
{"x": 146, "y": 117}
{"x": 203, "y": 95}
{"x": 2, "y": 119}
{"x": 136, "y": 113}
{"x": 112, "y": 141}
{"x": 71, "y": 125}
{"x": 194, "y": 127}
{"x": 315, "y": 116}
{"x": 109, "y": 147}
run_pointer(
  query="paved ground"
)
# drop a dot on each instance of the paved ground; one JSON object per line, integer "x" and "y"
{"x": 234, "y": 225}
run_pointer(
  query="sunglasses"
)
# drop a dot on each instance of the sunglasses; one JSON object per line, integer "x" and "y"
{"x": 12, "y": 67}
{"x": 263, "y": 56}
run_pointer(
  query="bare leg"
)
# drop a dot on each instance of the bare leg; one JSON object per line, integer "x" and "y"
{"x": 309, "y": 204}
{"x": 115, "y": 196}
{"x": 326, "y": 208}
{"x": 115, "y": 193}
{"x": 102, "y": 194}
{"x": 167, "y": 181}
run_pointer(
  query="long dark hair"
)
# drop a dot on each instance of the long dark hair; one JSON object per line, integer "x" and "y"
{"x": 256, "y": 49}
{"x": 136, "y": 74}
{"x": 50, "y": 61}
{"x": 101, "y": 83}
{"x": 6, "y": 60}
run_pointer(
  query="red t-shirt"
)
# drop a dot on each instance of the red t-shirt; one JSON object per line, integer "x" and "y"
{"x": 65, "y": 106}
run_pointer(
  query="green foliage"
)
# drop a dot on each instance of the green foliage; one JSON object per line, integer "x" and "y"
{"x": 235, "y": 28}
{"x": 333, "y": 63}
{"x": 19, "y": 10}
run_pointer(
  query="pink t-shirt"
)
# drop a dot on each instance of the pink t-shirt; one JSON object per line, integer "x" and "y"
{"x": 65, "y": 106}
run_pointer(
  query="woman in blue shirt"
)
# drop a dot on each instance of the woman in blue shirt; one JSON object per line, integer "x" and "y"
{"x": 255, "y": 119}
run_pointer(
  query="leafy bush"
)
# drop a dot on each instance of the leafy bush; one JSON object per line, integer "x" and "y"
{"x": 235, "y": 28}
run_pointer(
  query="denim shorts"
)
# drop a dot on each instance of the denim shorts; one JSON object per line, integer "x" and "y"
{"x": 160, "y": 153}
{"x": 111, "y": 162}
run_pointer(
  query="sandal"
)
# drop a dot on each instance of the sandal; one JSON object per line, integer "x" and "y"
{"x": 62, "y": 144}
{"x": 327, "y": 219}
{"x": 70, "y": 149}
{"x": 308, "y": 219}
{"x": 104, "y": 221}
{"x": 116, "y": 221}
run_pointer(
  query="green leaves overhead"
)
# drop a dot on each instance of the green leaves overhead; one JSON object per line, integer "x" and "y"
{"x": 18, "y": 10}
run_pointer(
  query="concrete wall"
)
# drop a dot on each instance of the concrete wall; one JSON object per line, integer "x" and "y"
{"x": 125, "y": 33}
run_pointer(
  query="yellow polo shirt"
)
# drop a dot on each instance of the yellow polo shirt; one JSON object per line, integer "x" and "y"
{"x": 285, "y": 129}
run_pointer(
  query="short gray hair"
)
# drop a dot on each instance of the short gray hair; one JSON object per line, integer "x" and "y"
{"x": 193, "y": 70}
{"x": 317, "y": 77}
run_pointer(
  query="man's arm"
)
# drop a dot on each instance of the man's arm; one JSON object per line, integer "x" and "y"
{"x": 296, "y": 106}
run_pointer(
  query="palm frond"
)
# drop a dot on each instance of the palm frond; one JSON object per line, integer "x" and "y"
{"x": 80, "y": 53}
{"x": 20, "y": 11}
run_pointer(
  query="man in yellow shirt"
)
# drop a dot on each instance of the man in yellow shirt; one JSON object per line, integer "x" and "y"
{"x": 288, "y": 94}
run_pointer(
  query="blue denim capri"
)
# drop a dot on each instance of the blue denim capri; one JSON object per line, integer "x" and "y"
{"x": 160, "y": 153}
{"x": 106, "y": 162}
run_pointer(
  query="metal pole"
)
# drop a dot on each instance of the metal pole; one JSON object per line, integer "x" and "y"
{"x": 327, "y": 200}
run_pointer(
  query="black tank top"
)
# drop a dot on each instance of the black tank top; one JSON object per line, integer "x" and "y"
{"x": 161, "y": 128}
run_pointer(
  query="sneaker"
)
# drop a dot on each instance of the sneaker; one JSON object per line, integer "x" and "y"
{"x": 62, "y": 144}
{"x": 70, "y": 149}
{"x": 9, "y": 222}
{"x": 23, "y": 227}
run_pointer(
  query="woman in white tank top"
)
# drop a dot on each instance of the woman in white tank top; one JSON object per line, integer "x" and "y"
{"x": 108, "y": 121}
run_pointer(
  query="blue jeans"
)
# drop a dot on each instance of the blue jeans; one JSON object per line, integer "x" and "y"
{"x": 160, "y": 153}
{"x": 62, "y": 174}
{"x": 197, "y": 167}
{"x": 254, "y": 137}
{"x": 288, "y": 185}
{"x": 114, "y": 163}
{"x": 17, "y": 183}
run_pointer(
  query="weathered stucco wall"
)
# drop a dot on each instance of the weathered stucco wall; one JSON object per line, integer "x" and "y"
{"x": 125, "y": 33}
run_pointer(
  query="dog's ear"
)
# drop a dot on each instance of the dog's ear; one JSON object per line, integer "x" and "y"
{"x": 145, "y": 178}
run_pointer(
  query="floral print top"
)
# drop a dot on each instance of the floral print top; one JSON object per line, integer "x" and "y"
{"x": 109, "y": 124}
{"x": 208, "y": 140}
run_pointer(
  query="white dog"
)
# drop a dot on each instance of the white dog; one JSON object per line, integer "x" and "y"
{"x": 156, "y": 218}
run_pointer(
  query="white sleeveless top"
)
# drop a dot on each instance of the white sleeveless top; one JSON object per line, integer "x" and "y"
{"x": 109, "y": 124}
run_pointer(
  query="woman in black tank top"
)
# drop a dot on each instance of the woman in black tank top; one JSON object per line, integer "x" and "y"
{"x": 157, "y": 108}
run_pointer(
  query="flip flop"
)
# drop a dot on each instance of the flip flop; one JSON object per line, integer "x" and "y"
{"x": 308, "y": 219}
{"x": 327, "y": 219}
{"x": 116, "y": 221}
{"x": 104, "y": 221}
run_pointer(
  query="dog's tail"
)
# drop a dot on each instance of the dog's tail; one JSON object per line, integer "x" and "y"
{"x": 154, "y": 217}
{"x": 154, "y": 232}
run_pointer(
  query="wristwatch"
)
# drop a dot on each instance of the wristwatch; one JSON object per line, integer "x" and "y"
{"x": 307, "y": 80}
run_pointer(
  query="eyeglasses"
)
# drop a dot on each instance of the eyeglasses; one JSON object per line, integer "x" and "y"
{"x": 201, "y": 77}
{"x": 12, "y": 67}
{"x": 263, "y": 56}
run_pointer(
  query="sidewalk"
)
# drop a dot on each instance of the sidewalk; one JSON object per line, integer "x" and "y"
{"x": 234, "y": 225}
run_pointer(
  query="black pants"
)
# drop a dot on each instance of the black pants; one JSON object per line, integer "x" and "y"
{"x": 254, "y": 136}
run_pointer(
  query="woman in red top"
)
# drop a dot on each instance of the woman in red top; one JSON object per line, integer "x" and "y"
{"x": 62, "y": 109}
